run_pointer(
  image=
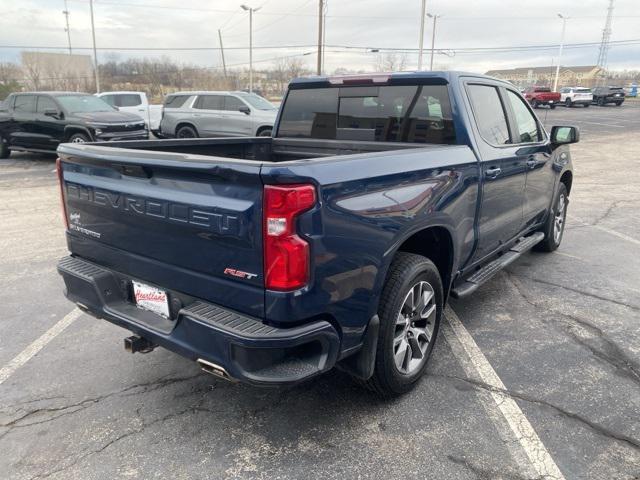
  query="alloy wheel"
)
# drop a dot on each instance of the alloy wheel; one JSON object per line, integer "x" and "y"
{"x": 414, "y": 328}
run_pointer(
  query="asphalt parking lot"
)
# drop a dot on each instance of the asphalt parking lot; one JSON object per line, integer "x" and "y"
{"x": 560, "y": 332}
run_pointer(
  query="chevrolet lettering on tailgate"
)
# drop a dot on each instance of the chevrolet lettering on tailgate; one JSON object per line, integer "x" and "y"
{"x": 221, "y": 223}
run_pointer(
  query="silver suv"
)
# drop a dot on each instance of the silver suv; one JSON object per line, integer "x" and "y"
{"x": 209, "y": 114}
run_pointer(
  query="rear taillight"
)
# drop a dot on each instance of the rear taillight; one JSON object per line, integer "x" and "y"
{"x": 286, "y": 255}
{"x": 61, "y": 182}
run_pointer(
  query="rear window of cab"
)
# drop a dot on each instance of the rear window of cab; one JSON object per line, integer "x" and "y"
{"x": 411, "y": 114}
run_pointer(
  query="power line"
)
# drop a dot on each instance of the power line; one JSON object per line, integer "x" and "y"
{"x": 516, "y": 48}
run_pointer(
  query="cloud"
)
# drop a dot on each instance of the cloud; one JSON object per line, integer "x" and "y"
{"x": 365, "y": 23}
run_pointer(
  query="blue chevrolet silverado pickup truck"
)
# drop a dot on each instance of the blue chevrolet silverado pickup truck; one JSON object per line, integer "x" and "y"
{"x": 335, "y": 243}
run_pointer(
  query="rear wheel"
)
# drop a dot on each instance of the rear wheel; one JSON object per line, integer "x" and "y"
{"x": 568, "y": 102}
{"x": 4, "y": 148}
{"x": 186, "y": 131}
{"x": 554, "y": 226}
{"x": 552, "y": 106}
{"x": 618, "y": 104}
{"x": 265, "y": 132}
{"x": 601, "y": 102}
{"x": 586, "y": 105}
{"x": 410, "y": 311}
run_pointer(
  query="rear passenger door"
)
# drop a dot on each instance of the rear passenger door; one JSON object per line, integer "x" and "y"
{"x": 502, "y": 169}
{"x": 24, "y": 118}
{"x": 208, "y": 115}
{"x": 534, "y": 150}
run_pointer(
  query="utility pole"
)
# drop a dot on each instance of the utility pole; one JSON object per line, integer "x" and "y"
{"x": 433, "y": 37}
{"x": 95, "y": 51}
{"x": 224, "y": 64}
{"x": 564, "y": 27}
{"x": 420, "y": 48}
{"x": 65, "y": 12}
{"x": 320, "y": 36}
{"x": 250, "y": 10}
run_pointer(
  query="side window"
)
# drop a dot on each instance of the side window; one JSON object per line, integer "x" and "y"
{"x": 232, "y": 103}
{"x": 128, "y": 100}
{"x": 110, "y": 99}
{"x": 526, "y": 123}
{"x": 46, "y": 103}
{"x": 175, "y": 101}
{"x": 25, "y": 104}
{"x": 210, "y": 102}
{"x": 489, "y": 114}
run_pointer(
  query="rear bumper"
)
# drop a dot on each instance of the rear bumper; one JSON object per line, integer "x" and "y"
{"x": 246, "y": 348}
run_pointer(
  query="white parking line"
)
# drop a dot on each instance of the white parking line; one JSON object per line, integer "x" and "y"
{"x": 528, "y": 439}
{"x": 606, "y": 230}
{"x": 599, "y": 123}
{"x": 24, "y": 356}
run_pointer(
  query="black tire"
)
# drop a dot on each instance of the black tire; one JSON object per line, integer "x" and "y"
{"x": 568, "y": 102}
{"x": 552, "y": 106}
{"x": 266, "y": 132}
{"x": 600, "y": 102}
{"x": 407, "y": 272}
{"x": 534, "y": 104}
{"x": 79, "y": 138}
{"x": 186, "y": 131}
{"x": 552, "y": 241}
{"x": 618, "y": 104}
{"x": 586, "y": 105}
{"x": 4, "y": 148}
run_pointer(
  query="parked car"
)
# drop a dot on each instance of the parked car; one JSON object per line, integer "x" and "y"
{"x": 538, "y": 96}
{"x": 40, "y": 121}
{"x": 209, "y": 114}
{"x": 335, "y": 243}
{"x": 138, "y": 103}
{"x": 604, "y": 95}
{"x": 631, "y": 90}
{"x": 571, "y": 96}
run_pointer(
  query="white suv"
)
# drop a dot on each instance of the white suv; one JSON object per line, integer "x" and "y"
{"x": 571, "y": 96}
{"x": 216, "y": 114}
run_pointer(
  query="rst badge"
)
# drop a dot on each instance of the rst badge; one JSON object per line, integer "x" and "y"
{"x": 239, "y": 273}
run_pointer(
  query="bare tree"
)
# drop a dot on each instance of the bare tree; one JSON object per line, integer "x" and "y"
{"x": 391, "y": 62}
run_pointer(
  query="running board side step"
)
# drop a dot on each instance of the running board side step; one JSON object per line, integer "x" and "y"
{"x": 479, "y": 277}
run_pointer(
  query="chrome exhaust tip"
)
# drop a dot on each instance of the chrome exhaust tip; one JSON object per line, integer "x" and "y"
{"x": 214, "y": 369}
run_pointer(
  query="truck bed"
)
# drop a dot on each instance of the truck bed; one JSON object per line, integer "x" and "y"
{"x": 263, "y": 149}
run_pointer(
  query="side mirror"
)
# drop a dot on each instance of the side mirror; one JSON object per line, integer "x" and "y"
{"x": 564, "y": 135}
{"x": 245, "y": 110}
{"x": 51, "y": 112}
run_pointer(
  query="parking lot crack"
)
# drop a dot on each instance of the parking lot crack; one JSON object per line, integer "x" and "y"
{"x": 596, "y": 427}
{"x": 487, "y": 474}
{"x": 22, "y": 421}
{"x": 595, "y": 340}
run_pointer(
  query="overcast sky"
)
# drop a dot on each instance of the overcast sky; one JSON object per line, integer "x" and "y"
{"x": 361, "y": 23}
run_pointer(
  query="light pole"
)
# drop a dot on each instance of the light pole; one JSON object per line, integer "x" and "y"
{"x": 433, "y": 37}
{"x": 95, "y": 51}
{"x": 421, "y": 42}
{"x": 250, "y": 10}
{"x": 564, "y": 26}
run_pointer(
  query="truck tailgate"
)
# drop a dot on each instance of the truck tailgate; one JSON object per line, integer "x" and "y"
{"x": 192, "y": 221}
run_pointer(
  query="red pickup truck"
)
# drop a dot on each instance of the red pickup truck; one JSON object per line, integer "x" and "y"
{"x": 537, "y": 96}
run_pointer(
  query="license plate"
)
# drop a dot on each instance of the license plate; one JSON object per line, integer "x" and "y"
{"x": 550, "y": 101}
{"x": 151, "y": 298}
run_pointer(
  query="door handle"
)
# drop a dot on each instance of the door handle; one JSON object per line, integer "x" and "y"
{"x": 493, "y": 172}
{"x": 532, "y": 163}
